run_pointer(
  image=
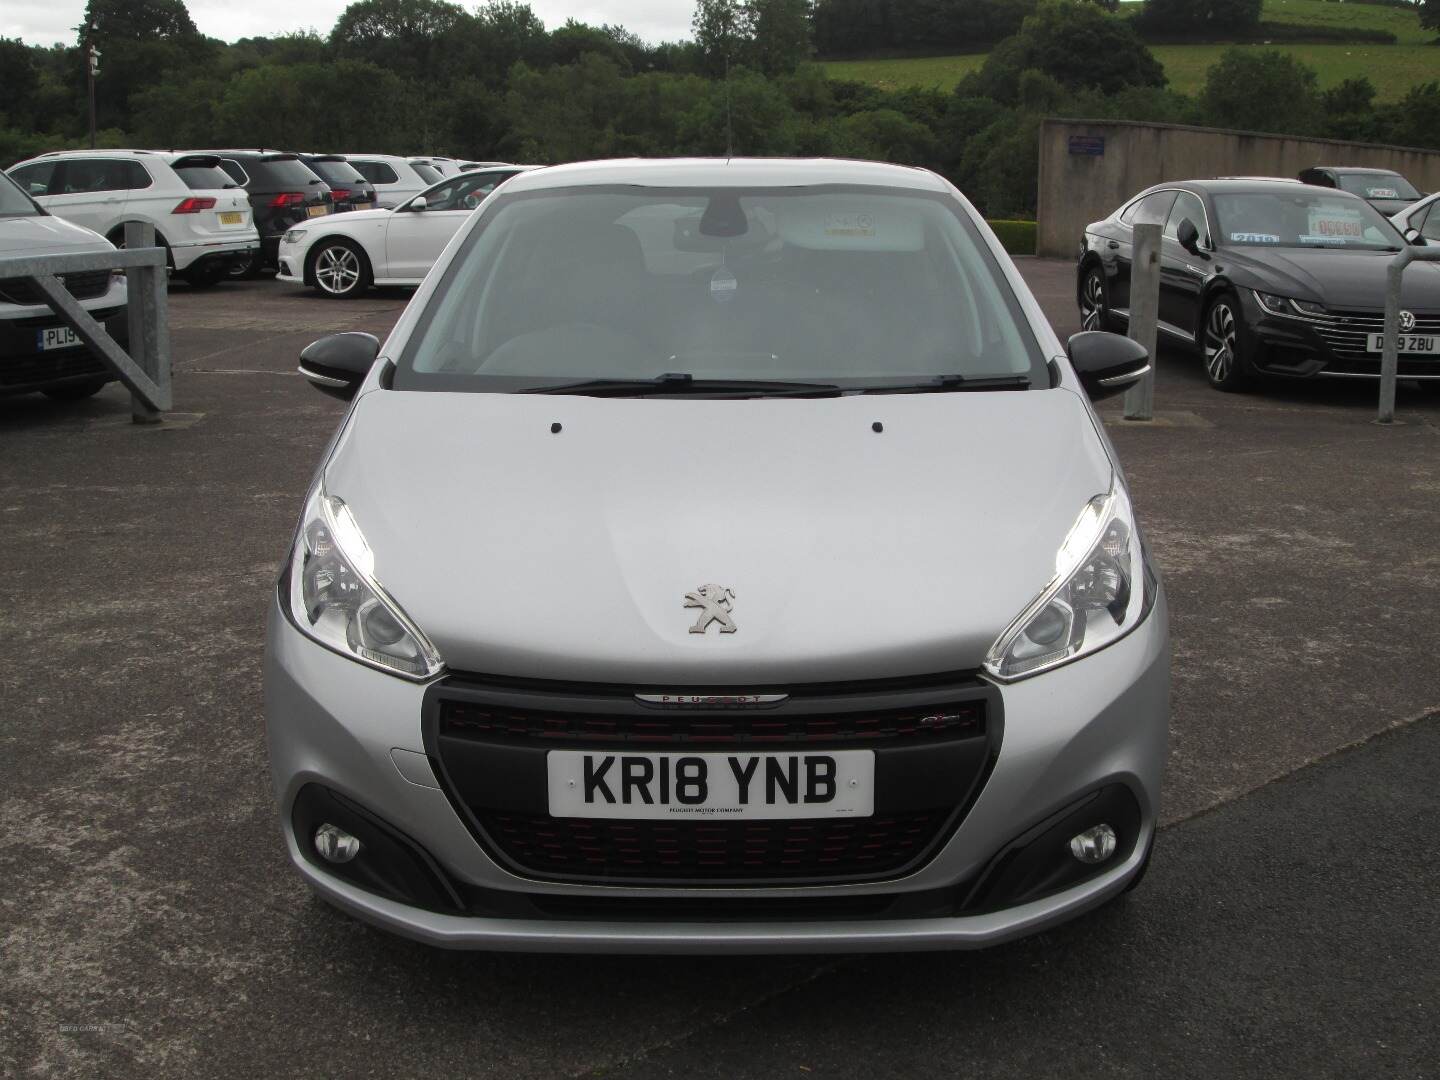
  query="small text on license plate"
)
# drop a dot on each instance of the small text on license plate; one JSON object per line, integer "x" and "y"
{"x": 56, "y": 337}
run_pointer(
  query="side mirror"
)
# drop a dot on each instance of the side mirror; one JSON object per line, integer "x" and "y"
{"x": 337, "y": 365}
{"x": 1189, "y": 237}
{"x": 1107, "y": 364}
{"x": 1413, "y": 238}
{"x": 417, "y": 204}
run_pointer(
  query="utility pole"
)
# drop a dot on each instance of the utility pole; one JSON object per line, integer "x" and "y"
{"x": 92, "y": 68}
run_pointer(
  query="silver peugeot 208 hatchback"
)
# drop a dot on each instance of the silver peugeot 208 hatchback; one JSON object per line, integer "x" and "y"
{"x": 719, "y": 555}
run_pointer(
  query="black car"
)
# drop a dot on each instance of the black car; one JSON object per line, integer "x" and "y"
{"x": 1384, "y": 189}
{"x": 283, "y": 191}
{"x": 1266, "y": 277}
{"x": 348, "y": 189}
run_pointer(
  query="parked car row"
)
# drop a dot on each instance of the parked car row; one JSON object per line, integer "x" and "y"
{"x": 1267, "y": 277}
{"x": 218, "y": 213}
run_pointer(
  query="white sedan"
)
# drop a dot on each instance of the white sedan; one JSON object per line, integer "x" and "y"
{"x": 342, "y": 255}
{"x": 1422, "y": 216}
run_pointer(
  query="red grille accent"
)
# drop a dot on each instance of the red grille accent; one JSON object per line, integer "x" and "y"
{"x": 952, "y": 720}
{"x": 697, "y": 850}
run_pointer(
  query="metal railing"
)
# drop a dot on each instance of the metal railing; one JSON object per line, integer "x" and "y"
{"x": 145, "y": 369}
{"x": 1144, "y": 316}
{"x": 1390, "y": 357}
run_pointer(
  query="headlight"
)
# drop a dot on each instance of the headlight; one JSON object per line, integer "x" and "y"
{"x": 1280, "y": 305}
{"x": 1276, "y": 305}
{"x": 335, "y": 598}
{"x": 1101, "y": 590}
{"x": 293, "y": 236}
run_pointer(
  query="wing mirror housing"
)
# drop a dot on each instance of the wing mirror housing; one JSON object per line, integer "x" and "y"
{"x": 1413, "y": 238}
{"x": 337, "y": 365}
{"x": 1108, "y": 364}
{"x": 417, "y": 204}
{"x": 1189, "y": 237}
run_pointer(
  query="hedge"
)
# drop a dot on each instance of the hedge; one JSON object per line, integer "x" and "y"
{"x": 1018, "y": 237}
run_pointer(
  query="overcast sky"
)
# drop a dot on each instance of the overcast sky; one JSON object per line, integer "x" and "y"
{"x": 44, "y": 22}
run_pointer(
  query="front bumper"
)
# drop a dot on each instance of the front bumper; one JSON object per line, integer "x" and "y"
{"x": 1101, "y": 722}
{"x": 25, "y": 368}
{"x": 1335, "y": 346}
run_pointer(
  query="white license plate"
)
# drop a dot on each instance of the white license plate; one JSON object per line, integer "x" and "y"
{"x": 1410, "y": 343}
{"x": 597, "y": 784}
{"x": 363, "y": 205}
{"x": 317, "y": 211}
{"x": 56, "y": 337}
{"x": 232, "y": 217}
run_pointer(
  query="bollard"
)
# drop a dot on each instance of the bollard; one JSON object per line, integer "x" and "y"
{"x": 147, "y": 320}
{"x": 1390, "y": 355}
{"x": 1144, "y": 316}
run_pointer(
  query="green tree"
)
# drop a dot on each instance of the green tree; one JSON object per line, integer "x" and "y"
{"x": 1200, "y": 16}
{"x": 720, "y": 32}
{"x": 1078, "y": 45}
{"x": 406, "y": 37}
{"x": 19, "y": 82}
{"x": 1415, "y": 119}
{"x": 1350, "y": 110}
{"x": 1430, "y": 14}
{"x": 779, "y": 33}
{"x": 1264, "y": 91}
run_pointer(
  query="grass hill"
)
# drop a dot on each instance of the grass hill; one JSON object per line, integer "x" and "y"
{"x": 1393, "y": 69}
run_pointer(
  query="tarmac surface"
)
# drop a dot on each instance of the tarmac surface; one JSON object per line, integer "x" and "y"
{"x": 151, "y": 926}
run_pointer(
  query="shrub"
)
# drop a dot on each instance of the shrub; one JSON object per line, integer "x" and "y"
{"x": 1018, "y": 237}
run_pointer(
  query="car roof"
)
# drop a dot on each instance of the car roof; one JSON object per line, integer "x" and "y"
{"x": 1254, "y": 185}
{"x": 1357, "y": 169}
{"x": 103, "y": 151}
{"x": 749, "y": 172}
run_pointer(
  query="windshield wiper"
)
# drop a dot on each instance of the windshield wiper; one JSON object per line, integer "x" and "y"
{"x": 679, "y": 382}
{"x": 941, "y": 383}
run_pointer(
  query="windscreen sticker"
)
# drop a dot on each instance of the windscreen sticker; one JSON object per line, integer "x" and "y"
{"x": 1336, "y": 223}
{"x": 723, "y": 286}
{"x": 1254, "y": 238}
{"x": 858, "y": 225}
{"x": 1382, "y": 193}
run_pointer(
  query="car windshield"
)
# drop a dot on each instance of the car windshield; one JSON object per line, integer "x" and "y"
{"x": 428, "y": 173}
{"x": 1377, "y": 185}
{"x": 845, "y": 287}
{"x": 464, "y": 192}
{"x": 13, "y": 201}
{"x": 1301, "y": 218}
{"x": 203, "y": 174}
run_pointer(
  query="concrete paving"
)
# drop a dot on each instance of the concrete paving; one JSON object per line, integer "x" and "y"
{"x": 151, "y": 925}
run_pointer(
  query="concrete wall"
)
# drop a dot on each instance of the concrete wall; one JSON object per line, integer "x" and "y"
{"x": 1076, "y": 189}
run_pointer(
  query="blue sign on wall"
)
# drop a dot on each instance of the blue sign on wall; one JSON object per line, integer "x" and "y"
{"x": 1088, "y": 145}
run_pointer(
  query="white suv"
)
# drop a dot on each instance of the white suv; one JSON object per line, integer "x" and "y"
{"x": 395, "y": 178}
{"x": 201, "y": 216}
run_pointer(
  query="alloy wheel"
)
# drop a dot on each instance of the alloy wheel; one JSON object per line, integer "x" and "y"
{"x": 337, "y": 270}
{"x": 1092, "y": 302}
{"x": 1220, "y": 342}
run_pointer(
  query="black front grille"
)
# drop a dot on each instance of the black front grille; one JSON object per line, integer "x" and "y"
{"x": 1348, "y": 335}
{"x": 934, "y": 742}
{"x": 720, "y": 727}
{"x": 47, "y": 367}
{"x": 83, "y": 285}
{"x": 696, "y": 850}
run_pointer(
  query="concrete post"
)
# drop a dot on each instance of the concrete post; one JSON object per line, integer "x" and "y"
{"x": 1390, "y": 354}
{"x": 146, "y": 319}
{"x": 1144, "y": 316}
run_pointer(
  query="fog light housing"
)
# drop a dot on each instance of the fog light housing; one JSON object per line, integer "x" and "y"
{"x": 336, "y": 845}
{"x": 1094, "y": 845}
